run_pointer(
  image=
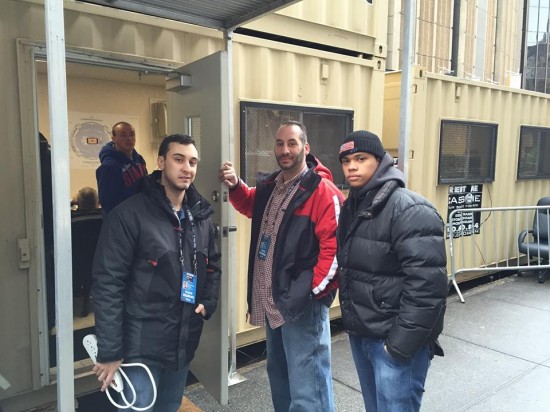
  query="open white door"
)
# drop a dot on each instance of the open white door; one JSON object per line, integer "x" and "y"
{"x": 200, "y": 109}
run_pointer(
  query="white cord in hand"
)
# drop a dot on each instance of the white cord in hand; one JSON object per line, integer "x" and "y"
{"x": 90, "y": 344}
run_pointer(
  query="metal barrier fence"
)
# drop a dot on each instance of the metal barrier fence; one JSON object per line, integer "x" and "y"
{"x": 497, "y": 239}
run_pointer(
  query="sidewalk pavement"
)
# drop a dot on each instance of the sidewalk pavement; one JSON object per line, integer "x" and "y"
{"x": 497, "y": 358}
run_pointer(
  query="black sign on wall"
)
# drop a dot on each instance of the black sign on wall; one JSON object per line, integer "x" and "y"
{"x": 464, "y": 197}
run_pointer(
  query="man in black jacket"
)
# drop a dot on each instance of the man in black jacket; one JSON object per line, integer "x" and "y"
{"x": 393, "y": 277}
{"x": 149, "y": 247}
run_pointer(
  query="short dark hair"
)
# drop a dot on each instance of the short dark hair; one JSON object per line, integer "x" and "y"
{"x": 118, "y": 124}
{"x": 174, "y": 138}
{"x": 87, "y": 198}
{"x": 303, "y": 134}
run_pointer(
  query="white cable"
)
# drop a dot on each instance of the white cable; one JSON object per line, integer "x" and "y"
{"x": 128, "y": 404}
{"x": 90, "y": 344}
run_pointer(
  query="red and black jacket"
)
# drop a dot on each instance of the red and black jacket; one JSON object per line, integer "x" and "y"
{"x": 305, "y": 250}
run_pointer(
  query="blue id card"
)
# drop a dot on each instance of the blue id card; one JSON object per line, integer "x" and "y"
{"x": 264, "y": 247}
{"x": 188, "y": 287}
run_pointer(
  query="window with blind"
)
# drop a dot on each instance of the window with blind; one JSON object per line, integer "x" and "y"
{"x": 326, "y": 129}
{"x": 534, "y": 153}
{"x": 467, "y": 152}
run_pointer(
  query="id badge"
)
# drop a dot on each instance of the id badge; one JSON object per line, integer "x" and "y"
{"x": 188, "y": 287}
{"x": 264, "y": 247}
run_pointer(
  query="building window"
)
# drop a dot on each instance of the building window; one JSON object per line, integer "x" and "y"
{"x": 534, "y": 153}
{"x": 467, "y": 152}
{"x": 535, "y": 65}
{"x": 259, "y": 122}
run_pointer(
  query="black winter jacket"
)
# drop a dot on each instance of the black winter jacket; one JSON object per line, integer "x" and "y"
{"x": 137, "y": 279}
{"x": 392, "y": 265}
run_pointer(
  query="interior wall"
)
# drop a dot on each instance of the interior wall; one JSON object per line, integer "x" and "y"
{"x": 105, "y": 101}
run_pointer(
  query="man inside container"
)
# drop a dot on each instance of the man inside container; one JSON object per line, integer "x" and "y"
{"x": 292, "y": 267}
{"x": 121, "y": 169}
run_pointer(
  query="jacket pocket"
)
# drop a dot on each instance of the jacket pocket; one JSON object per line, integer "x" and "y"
{"x": 362, "y": 294}
{"x": 165, "y": 278}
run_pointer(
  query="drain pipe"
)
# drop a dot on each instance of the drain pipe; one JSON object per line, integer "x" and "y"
{"x": 406, "y": 87}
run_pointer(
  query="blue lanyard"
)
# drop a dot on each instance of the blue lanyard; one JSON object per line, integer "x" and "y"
{"x": 180, "y": 238}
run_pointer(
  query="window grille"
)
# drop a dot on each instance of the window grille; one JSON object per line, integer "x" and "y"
{"x": 534, "y": 153}
{"x": 326, "y": 128}
{"x": 467, "y": 152}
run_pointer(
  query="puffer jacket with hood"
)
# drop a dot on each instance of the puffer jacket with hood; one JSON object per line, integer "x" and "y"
{"x": 118, "y": 176}
{"x": 304, "y": 261}
{"x": 137, "y": 278}
{"x": 392, "y": 264}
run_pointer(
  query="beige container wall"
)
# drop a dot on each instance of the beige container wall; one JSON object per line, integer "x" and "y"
{"x": 356, "y": 16}
{"x": 353, "y": 24}
{"x": 275, "y": 73}
{"x": 392, "y": 100}
{"x": 437, "y": 98}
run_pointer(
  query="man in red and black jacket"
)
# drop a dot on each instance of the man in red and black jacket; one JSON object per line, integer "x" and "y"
{"x": 292, "y": 268}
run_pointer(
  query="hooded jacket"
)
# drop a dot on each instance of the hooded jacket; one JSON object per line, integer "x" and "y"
{"x": 392, "y": 264}
{"x": 304, "y": 261}
{"x": 118, "y": 176}
{"x": 137, "y": 279}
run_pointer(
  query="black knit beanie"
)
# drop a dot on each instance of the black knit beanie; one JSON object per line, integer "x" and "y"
{"x": 362, "y": 141}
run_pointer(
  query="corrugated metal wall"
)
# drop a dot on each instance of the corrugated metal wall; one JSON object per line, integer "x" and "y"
{"x": 357, "y": 16}
{"x": 135, "y": 38}
{"x": 392, "y": 100}
{"x": 108, "y": 30}
{"x": 353, "y": 25}
{"x": 439, "y": 97}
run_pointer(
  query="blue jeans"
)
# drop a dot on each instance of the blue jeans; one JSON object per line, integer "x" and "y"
{"x": 298, "y": 362}
{"x": 389, "y": 384}
{"x": 170, "y": 386}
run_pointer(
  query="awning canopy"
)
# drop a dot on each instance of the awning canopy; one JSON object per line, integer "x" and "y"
{"x": 218, "y": 14}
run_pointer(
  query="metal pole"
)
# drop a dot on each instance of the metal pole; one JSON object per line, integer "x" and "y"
{"x": 233, "y": 376}
{"x": 406, "y": 86}
{"x": 59, "y": 135}
{"x": 455, "y": 37}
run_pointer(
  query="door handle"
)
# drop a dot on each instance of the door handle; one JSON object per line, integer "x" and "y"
{"x": 227, "y": 229}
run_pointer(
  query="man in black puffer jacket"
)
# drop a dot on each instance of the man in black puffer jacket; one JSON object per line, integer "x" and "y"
{"x": 156, "y": 278}
{"x": 393, "y": 278}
